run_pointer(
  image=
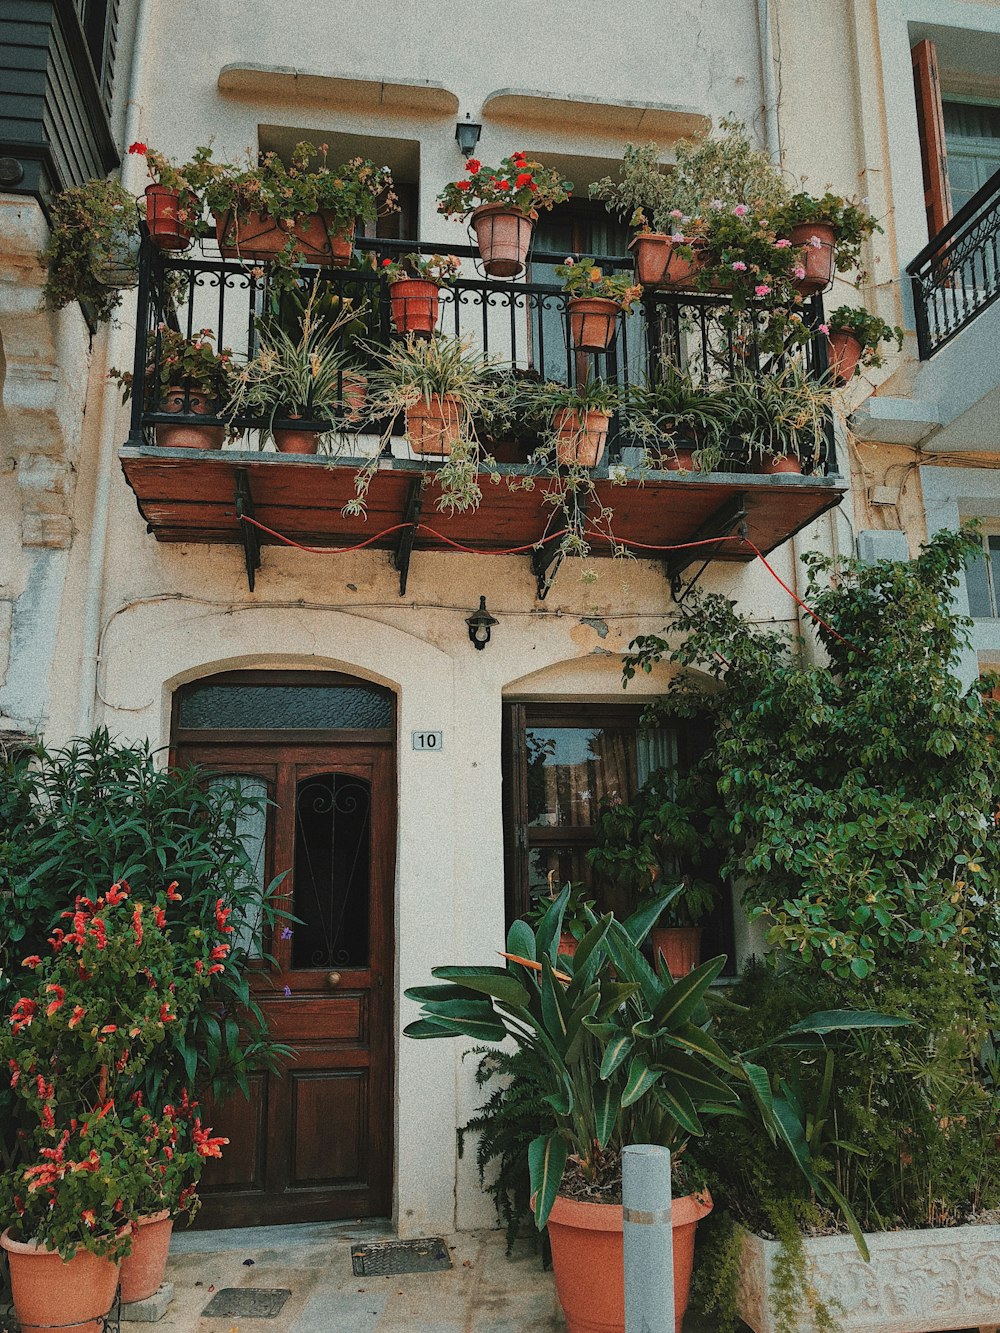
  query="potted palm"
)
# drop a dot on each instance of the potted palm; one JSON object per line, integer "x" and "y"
{"x": 415, "y": 283}
{"x": 680, "y": 425}
{"x": 188, "y": 377}
{"x": 173, "y": 202}
{"x": 596, "y": 299}
{"x": 294, "y": 376}
{"x": 503, "y": 203}
{"x": 855, "y": 339}
{"x": 619, "y": 1054}
{"x": 93, "y": 247}
{"x": 302, "y": 212}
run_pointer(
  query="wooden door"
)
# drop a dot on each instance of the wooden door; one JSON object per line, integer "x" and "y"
{"x": 315, "y": 1142}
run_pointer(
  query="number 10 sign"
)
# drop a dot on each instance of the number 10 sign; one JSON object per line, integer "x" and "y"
{"x": 427, "y": 740}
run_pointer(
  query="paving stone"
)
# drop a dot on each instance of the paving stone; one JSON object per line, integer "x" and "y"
{"x": 152, "y": 1309}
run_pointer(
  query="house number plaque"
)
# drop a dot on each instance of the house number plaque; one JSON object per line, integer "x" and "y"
{"x": 427, "y": 740}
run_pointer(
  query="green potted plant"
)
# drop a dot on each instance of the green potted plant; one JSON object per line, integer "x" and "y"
{"x": 303, "y": 212}
{"x": 828, "y": 233}
{"x": 680, "y": 425}
{"x": 576, "y": 418}
{"x": 577, "y": 913}
{"x": 97, "y": 1004}
{"x": 596, "y": 299}
{"x": 293, "y": 376}
{"x": 186, "y": 376}
{"x": 647, "y": 197}
{"x": 415, "y": 283}
{"x": 93, "y": 247}
{"x": 440, "y": 386}
{"x": 504, "y": 203}
{"x": 621, "y": 1054}
{"x": 778, "y": 420}
{"x": 173, "y": 202}
{"x": 855, "y": 339}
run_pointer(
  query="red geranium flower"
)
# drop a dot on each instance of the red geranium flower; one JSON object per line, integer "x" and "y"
{"x": 473, "y": 165}
{"x": 524, "y": 179}
{"x": 137, "y": 147}
{"x": 462, "y": 185}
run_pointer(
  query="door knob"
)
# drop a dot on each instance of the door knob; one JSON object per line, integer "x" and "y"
{"x": 333, "y": 979}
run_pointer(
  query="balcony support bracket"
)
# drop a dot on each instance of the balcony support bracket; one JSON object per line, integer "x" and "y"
{"x": 730, "y": 516}
{"x": 547, "y": 557}
{"x": 411, "y": 517}
{"x": 251, "y": 541}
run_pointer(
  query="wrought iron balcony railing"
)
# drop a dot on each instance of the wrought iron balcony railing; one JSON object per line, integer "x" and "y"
{"x": 956, "y": 276}
{"x": 523, "y": 324}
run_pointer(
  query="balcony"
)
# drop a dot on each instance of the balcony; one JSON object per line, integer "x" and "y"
{"x": 241, "y": 495}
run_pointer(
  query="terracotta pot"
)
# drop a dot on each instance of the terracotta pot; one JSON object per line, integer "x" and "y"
{"x": 567, "y": 944}
{"x": 844, "y": 352}
{"x": 414, "y": 304}
{"x": 588, "y": 1260}
{"x": 652, "y": 255}
{"x": 679, "y": 947}
{"x": 580, "y": 443}
{"x": 143, "y": 1269}
{"x": 260, "y": 236}
{"x": 355, "y": 393}
{"x": 592, "y": 322}
{"x": 817, "y": 260}
{"x": 433, "y": 425}
{"x": 49, "y": 1291}
{"x": 678, "y": 460}
{"x": 188, "y": 436}
{"x": 775, "y": 463}
{"x": 166, "y": 227}
{"x": 681, "y": 272}
{"x": 291, "y": 440}
{"x": 503, "y": 236}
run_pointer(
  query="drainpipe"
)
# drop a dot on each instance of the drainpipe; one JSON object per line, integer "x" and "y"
{"x": 769, "y": 84}
{"x": 117, "y": 347}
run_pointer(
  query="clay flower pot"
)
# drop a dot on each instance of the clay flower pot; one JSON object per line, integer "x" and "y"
{"x": 592, "y": 322}
{"x": 143, "y": 1269}
{"x": 433, "y": 425}
{"x": 52, "y": 1292}
{"x": 503, "y": 236}
{"x": 844, "y": 353}
{"x": 580, "y": 442}
{"x": 567, "y": 944}
{"x": 681, "y": 271}
{"x": 414, "y": 304}
{"x": 589, "y": 1265}
{"x": 194, "y": 403}
{"x": 678, "y": 460}
{"x": 291, "y": 440}
{"x": 355, "y": 394}
{"x": 652, "y": 251}
{"x": 772, "y": 464}
{"x": 166, "y": 228}
{"x": 679, "y": 947}
{"x": 818, "y": 243}
{"x": 260, "y": 236}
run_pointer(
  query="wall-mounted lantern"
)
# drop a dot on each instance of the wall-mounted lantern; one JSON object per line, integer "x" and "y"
{"x": 480, "y": 625}
{"x": 467, "y": 134}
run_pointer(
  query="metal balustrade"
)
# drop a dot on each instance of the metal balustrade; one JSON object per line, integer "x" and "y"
{"x": 956, "y": 276}
{"x": 523, "y": 324}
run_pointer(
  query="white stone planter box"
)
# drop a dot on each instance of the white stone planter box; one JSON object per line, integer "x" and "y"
{"x": 917, "y": 1281}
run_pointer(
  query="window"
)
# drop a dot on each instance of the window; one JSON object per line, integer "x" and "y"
{"x": 972, "y": 137}
{"x": 982, "y": 580}
{"x": 561, "y": 762}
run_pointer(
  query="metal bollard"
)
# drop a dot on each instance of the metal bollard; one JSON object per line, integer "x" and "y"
{"x": 649, "y": 1245}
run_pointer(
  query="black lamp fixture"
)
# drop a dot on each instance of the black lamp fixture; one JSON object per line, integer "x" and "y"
{"x": 480, "y": 625}
{"x": 467, "y": 134}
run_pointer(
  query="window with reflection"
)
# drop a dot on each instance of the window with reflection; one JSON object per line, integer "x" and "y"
{"x": 251, "y": 828}
{"x": 331, "y": 876}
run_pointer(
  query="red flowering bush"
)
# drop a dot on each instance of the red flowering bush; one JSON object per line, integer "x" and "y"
{"x": 520, "y": 184}
{"x": 113, "y": 986}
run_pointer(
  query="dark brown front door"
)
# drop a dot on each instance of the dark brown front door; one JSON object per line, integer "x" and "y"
{"x": 315, "y": 1143}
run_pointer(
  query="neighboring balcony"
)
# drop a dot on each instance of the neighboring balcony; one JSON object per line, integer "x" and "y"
{"x": 244, "y": 496}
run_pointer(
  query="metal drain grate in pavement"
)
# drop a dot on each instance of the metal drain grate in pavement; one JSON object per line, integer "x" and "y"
{"x": 385, "y": 1258}
{"x": 246, "y": 1303}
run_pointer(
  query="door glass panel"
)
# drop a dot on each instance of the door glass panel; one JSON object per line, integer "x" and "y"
{"x": 571, "y": 770}
{"x": 251, "y": 828}
{"x": 332, "y": 871}
{"x": 284, "y": 707}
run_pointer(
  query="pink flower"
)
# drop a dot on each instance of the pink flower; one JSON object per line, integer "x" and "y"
{"x": 798, "y": 272}
{"x": 762, "y": 289}
{"x": 677, "y": 236}
{"x": 676, "y": 213}
{"x": 815, "y": 242}
{"x": 740, "y": 211}
{"x": 570, "y": 262}
{"x": 824, "y": 328}
{"x": 739, "y": 266}
{"x": 783, "y": 244}
{"x": 716, "y": 204}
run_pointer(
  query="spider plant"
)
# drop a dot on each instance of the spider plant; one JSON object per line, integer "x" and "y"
{"x": 779, "y": 415}
{"x": 670, "y": 414}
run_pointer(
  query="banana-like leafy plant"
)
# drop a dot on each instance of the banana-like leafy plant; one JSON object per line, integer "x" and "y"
{"x": 624, "y": 1053}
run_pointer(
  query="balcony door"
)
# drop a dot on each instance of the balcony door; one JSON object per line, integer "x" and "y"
{"x": 314, "y": 1142}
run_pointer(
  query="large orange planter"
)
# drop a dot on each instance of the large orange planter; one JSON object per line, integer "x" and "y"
{"x": 51, "y": 1292}
{"x": 773, "y": 464}
{"x": 818, "y": 242}
{"x": 433, "y": 425}
{"x": 678, "y": 946}
{"x": 167, "y": 218}
{"x": 682, "y": 272}
{"x": 580, "y": 442}
{"x": 589, "y": 1263}
{"x": 143, "y": 1269}
{"x": 191, "y": 403}
{"x": 260, "y": 236}
{"x": 292, "y": 440}
{"x": 414, "y": 304}
{"x": 844, "y": 352}
{"x": 592, "y": 322}
{"x": 503, "y": 236}
{"x": 652, "y": 251}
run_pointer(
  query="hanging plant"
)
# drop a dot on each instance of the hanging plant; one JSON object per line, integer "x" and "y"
{"x": 93, "y": 247}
